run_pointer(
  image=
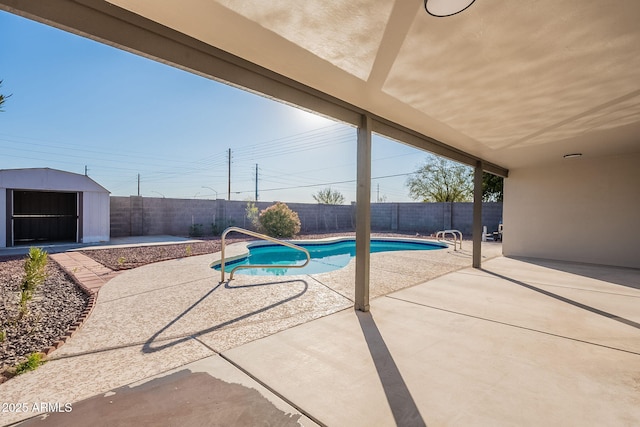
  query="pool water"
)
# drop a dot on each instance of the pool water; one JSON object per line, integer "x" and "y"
{"x": 325, "y": 257}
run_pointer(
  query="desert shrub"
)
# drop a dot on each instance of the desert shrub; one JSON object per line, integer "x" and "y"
{"x": 33, "y": 361}
{"x": 279, "y": 221}
{"x": 218, "y": 227}
{"x": 195, "y": 230}
{"x": 34, "y": 275}
{"x": 251, "y": 212}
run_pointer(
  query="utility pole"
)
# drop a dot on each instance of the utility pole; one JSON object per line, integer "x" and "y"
{"x": 229, "y": 178}
{"x": 138, "y": 185}
{"x": 378, "y": 196}
{"x": 256, "y": 182}
{"x": 86, "y": 171}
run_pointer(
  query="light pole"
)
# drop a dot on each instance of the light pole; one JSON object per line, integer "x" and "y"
{"x": 211, "y": 190}
{"x": 158, "y": 193}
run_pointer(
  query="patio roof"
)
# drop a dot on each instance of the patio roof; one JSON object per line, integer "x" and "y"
{"x": 511, "y": 84}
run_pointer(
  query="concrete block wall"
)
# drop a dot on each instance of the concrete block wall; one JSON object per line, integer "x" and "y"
{"x": 120, "y": 216}
{"x": 428, "y": 218}
{"x": 425, "y": 218}
{"x": 462, "y": 217}
{"x": 324, "y": 218}
{"x": 131, "y": 216}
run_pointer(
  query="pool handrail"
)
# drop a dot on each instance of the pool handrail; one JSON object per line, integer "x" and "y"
{"x": 259, "y": 236}
{"x": 455, "y": 233}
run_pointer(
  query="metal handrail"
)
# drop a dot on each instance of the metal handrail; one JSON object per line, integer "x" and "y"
{"x": 455, "y": 234}
{"x": 259, "y": 236}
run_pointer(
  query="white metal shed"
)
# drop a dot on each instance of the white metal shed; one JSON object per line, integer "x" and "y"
{"x": 47, "y": 205}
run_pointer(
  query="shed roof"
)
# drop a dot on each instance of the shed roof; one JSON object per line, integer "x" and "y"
{"x": 46, "y": 179}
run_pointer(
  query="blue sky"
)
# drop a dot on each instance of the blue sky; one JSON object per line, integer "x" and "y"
{"x": 77, "y": 103}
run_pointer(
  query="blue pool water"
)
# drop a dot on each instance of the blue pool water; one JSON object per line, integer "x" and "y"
{"x": 325, "y": 257}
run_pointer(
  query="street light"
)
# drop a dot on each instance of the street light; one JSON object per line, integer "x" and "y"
{"x": 211, "y": 190}
{"x": 158, "y": 193}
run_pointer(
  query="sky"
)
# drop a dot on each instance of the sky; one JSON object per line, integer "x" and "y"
{"x": 78, "y": 105}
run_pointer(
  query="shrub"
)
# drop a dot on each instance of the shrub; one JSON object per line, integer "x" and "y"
{"x": 251, "y": 212}
{"x": 195, "y": 230}
{"x": 34, "y": 275}
{"x": 218, "y": 227}
{"x": 279, "y": 221}
{"x": 33, "y": 361}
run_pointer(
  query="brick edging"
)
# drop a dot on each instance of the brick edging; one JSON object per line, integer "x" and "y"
{"x": 8, "y": 373}
{"x": 93, "y": 296}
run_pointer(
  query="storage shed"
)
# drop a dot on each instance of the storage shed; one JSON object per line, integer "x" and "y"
{"x": 47, "y": 205}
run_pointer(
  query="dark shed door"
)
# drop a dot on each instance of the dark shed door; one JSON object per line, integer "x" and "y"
{"x": 44, "y": 216}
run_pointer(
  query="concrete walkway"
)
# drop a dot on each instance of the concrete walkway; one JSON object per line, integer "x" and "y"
{"x": 520, "y": 342}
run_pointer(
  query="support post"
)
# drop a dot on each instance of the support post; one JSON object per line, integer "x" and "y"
{"x": 363, "y": 215}
{"x": 477, "y": 215}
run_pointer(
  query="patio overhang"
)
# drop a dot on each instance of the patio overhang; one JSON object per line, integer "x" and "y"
{"x": 115, "y": 26}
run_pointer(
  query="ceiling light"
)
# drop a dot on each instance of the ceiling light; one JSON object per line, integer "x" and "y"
{"x": 442, "y": 8}
{"x": 572, "y": 155}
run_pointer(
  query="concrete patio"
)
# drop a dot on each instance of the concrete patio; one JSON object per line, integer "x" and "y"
{"x": 520, "y": 342}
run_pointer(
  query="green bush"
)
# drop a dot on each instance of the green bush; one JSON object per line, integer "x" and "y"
{"x": 33, "y": 361}
{"x": 195, "y": 230}
{"x": 34, "y": 275}
{"x": 218, "y": 227}
{"x": 279, "y": 221}
{"x": 251, "y": 212}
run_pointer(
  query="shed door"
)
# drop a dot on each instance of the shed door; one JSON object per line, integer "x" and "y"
{"x": 44, "y": 216}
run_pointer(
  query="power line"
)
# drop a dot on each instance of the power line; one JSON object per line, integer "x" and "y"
{"x": 330, "y": 183}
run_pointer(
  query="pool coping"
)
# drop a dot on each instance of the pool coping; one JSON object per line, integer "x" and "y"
{"x": 240, "y": 250}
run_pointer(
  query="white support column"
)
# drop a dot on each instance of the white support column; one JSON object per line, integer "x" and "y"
{"x": 477, "y": 215}
{"x": 363, "y": 215}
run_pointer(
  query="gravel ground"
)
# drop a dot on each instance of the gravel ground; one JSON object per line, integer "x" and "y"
{"x": 56, "y": 305}
{"x": 136, "y": 256}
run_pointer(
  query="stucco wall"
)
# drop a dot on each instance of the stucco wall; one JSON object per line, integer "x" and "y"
{"x": 584, "y": 210}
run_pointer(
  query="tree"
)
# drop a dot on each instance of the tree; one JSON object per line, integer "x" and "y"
{"x": 2, "y": 98}
{"x": 492, "y": 188}
{"x": 441, "y": 180}
{"x": 329, "y": 197}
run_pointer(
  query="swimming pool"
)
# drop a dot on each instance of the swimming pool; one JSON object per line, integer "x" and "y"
{"x": 325, "y": 255}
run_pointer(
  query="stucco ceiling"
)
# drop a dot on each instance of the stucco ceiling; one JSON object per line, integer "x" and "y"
{"x": 517, "y": 83}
